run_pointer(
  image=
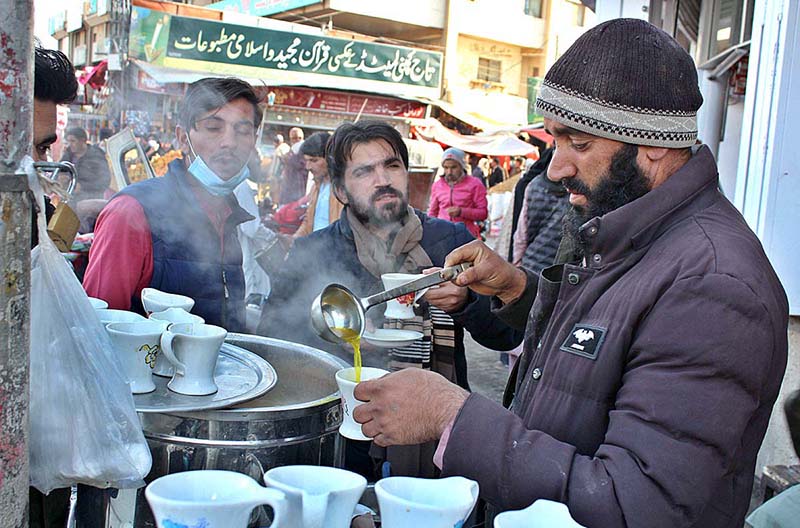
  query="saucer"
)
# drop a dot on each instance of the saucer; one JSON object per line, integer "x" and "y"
{"x": 391, "y": 338}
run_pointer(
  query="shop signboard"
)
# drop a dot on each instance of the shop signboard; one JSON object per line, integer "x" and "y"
{"x": 282, "y": 57}
{"x": 145, "y": 83}
{"x": 534, "y": 85}
{"x": 343, "y": 102}
{"x": 260, "y": 7}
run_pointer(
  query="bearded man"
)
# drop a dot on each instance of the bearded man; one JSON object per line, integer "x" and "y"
{"x": 654, "y": 348}
{"x": 379, "y": 233}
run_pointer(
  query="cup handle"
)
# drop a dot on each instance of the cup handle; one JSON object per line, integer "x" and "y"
{"x": 276, "y": 499}
{"x": 166, "y": 348}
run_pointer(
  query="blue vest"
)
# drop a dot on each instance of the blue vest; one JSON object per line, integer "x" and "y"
{"x": 188, "y": 256}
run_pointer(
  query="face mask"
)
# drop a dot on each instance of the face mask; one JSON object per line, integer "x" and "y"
{"x": 209, "y": 179}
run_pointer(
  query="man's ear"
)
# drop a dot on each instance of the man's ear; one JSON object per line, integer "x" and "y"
{"x": 182, "y": 134}
{"x": 654, "y": 154}
{"x": 338, "y": 191}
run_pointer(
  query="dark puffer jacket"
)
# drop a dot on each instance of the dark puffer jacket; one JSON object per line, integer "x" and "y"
{"x": 188, "y": 256}
{"x": 648, "y": 376}
{"x": 548, "y": 202}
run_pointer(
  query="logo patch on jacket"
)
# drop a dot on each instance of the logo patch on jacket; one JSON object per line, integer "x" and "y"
{"x": 584, "y": 340}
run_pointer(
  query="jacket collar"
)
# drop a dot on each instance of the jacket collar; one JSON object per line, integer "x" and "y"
{"x": 635, "y": 225}
{"x": 185, "y": 183}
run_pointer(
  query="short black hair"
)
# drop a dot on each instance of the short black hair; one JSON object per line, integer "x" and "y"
{"x": 349, "y": 135}
{"x": 314, "y": 145}
{"x": 53, "y": 77}
{"x": 78, "y": 132}
{"x": 210, "y": 93}
{"x": 105, "y": 133}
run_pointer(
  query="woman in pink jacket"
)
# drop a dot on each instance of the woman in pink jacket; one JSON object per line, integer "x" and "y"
{"x": 457, "y": 196}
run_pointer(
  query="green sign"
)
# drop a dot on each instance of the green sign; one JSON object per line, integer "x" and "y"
{"x": 282, "y": 57}
{"x": 534, "y": 84}
{"x": 260, "y": 7}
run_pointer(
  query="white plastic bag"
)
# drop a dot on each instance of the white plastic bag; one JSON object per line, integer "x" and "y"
{"x": 83, "y": 423}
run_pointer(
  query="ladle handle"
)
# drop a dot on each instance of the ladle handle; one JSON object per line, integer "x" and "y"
{"x": 443, "y": 275}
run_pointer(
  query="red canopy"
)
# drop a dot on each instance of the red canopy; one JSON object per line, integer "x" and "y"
{"x": 539, "y": 133}
{"x": 95, "y": 76}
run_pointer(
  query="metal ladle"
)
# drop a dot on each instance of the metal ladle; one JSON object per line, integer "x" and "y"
{"x": 337, "y": 307}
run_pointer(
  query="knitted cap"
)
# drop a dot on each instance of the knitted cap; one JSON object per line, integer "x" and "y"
{"x": 628, "y": 81}
{"x": 456, "y": 155}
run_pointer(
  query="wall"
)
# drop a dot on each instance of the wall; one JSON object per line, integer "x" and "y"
{"x": 471, "y": 49}
{"x": 728, "y": 156}
{"x": 500, "y": 20}
{"x": 768, "y": 186}
{"x": 426, "y": 13}
{"x": 503, "y": 102}
{"x": 563, "y": 31}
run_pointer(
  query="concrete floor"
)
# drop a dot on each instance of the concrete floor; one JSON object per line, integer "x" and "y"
{"x": 486, "y": 374}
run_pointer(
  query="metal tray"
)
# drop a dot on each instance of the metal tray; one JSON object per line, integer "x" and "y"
{"x": 240, "y": 375}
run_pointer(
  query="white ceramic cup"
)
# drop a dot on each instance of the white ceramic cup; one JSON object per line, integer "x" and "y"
{"x": 317, "y": 496}
{"x": 193, "y": 350}
{"x": 137, "y": 345}
{"x": 154, "y": 300}
{"x": 171, "y": 315}
{"x": 407, "y": 502}
{"x": 98, "y": 304}
{"x": 345, "y": 379}
{"x": 108, "y": 315}
{"x": 210, "y": 498}
{"x": 541, "y": 514}
{"x": 402, "y": 307}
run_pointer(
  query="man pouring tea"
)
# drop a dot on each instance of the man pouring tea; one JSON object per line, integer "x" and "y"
{"x": 655, "y": 346}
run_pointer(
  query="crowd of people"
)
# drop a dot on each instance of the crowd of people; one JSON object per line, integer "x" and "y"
{"x": 650, "y": 326}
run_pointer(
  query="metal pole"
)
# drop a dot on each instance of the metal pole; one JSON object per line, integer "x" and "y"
{"x": 16, "y": 123}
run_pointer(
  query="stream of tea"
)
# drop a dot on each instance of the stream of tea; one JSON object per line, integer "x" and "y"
{"x": 354, "y": 340}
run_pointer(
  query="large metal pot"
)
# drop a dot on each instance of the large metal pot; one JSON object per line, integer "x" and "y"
{"x": 295, "y": 423}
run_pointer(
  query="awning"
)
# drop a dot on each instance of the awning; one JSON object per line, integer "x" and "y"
{"x": 95, "y": 76}
{"x": 164, "y": 75}
{"x": 502, "y": 144}
{"x": 472, "y": 118}
{"x": 538, "y": 132}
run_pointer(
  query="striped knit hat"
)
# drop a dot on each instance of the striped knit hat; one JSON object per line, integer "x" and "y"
{"x": 628, "y": 81}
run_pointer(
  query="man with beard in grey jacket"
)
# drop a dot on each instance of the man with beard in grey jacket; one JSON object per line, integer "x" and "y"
{"x": 654, "y": 348}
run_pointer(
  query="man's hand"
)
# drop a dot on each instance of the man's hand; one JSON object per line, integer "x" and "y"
{"x": 408, "y": 407}
{"x": 446, "y": 296}
{"x": 454, "y": 211}
{"x": 490, "y": 274}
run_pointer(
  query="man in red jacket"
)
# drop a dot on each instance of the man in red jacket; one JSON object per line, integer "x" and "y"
{"x": 654, "y": 349}
{"x": 457, "y": 196}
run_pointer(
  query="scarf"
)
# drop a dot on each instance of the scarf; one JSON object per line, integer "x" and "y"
{"x": 400, "y": 254}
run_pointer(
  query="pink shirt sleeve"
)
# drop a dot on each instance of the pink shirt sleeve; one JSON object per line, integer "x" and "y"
{"x": 438, "y": 455}
{"x": 121, "y": 256}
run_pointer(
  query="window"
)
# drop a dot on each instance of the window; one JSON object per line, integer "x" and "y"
{"x": 534, "y": 8}
{"x": 731, "y": 24}
{"x": 489, "y": 70}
